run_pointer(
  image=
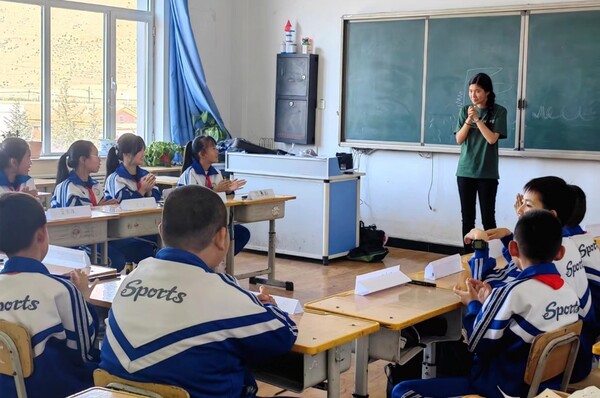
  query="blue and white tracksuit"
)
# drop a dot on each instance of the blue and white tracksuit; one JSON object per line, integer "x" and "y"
{"x": 500, "y": 333}
{"x": 61, "y": 326}
{"x": 121, "y": 185}
{"x": 21, "y": 182}
{"x": 176, "y": 321}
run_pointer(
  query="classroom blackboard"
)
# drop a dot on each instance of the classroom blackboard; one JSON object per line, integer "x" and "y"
{"x": 404, "y": 78}
{"x": 384, "y": 80}
{"x": 476, "y": 45}
{"x": 563, "y": 82}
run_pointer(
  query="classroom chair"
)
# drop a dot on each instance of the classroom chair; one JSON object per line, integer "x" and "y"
{"x": 16, "y": 355}
{"x": 154, "y": 390}
{"x": 551, "y": 354}
{"x": 593, "y": 378}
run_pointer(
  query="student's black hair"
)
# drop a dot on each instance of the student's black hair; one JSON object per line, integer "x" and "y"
{"x": 127, "y": 143}
{"x": 194, "y": 147}
{"x": 539, "y": 236}
{"x": 579, "y": 207}
{"x": 12, "y": 148}
{"x": 191, "y": 217}
{"x": 555, "y": 194}
{"x": 70, "y": 159}
{"x": 21, "y": 215}
{"x": 485, "y": 82}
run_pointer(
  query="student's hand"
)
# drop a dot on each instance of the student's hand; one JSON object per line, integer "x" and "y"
{"x": 29, "y": 191}
{"x": 518, "y": 203}
{"x": 236, "y": 184}
{"x": 483, "y": 289}
{"x": 80, "y": 280}
{"x": 147, "y": 183}
{"x": 105, "y": 202}
{"x": 264, "y": 297}
{"x": 475, "y": 234}
{"x": 223, "y": 186}
{"x": 466, "y": 296}
{"x": 498, "y": 233}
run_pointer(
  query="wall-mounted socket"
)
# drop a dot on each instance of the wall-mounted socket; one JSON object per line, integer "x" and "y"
{"x": 321, "y": 104}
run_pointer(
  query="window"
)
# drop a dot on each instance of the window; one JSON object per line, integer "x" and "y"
{"x": 73, "y": 70}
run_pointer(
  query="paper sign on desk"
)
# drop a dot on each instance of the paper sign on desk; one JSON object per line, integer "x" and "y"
{"x": 60, "y": 260}
{"x": 443, "y": 267}
{"x": 593, "y": 230}
{"x": 286, "y": 304}
{"x": 379, "y": 280}
{"x": 261, "y": 194}
{"x": 138, "y": 204}
{"x": 65, "y": 213}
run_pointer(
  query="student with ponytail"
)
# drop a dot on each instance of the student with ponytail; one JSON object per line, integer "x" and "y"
{"x": 198, "y": 158}
{"x": 125, "y": 179}
{"x": 15, "y": 162}
{"x": 479, "y": 127}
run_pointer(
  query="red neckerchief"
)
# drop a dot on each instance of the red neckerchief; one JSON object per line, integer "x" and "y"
{"x": 92, "y": 196}
{"x": 552, "y": 280}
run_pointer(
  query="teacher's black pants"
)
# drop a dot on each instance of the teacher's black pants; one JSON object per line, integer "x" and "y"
{"x": 469, "y": 189}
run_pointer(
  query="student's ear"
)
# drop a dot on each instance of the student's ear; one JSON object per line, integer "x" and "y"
{"x": 160, "y": 230}
{"x": 221, "y": 239}
{"x": 42, "y": 239}
{"x": 513, "y": 249}
{"x": 560, "y": 254}
{"x": 14, "y": 163}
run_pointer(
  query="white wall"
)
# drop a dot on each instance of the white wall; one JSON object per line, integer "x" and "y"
{"x": 241, "y": 75}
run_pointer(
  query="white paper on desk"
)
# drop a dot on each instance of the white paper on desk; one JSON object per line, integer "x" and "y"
{"x": 65, "y": 213}
{"x": 61, "y": 260}
{"x": 379, "y": 280}
{"x": 139, "y": 204}
{"x": 443, "y": 267}
{"x": 593, "y": 230}
{"x": 261, "y": 194}
{"x": 286, "y": 304}
{"x": 588, "y": 392}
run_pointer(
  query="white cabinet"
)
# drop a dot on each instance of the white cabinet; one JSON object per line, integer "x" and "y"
{"x": 322, "y": 223}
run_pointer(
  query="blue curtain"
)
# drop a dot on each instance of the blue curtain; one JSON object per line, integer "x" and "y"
{"x": 188, "y": 92}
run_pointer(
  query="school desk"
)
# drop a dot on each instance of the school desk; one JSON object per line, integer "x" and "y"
{"x": 163, "y": 170}
{"x": 248, "y": 211}
{"x": 82, "y": 231}
{"x": 322, "y": 350}
{"x": 395, "y": 309}
{"x": 132, "y": 223}
{"x": 101, "y": 392}
{"x": 170, "y": 181}
{"x": 44, "y": 184}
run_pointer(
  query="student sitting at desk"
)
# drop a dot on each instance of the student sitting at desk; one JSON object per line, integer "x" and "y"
{"x": 555, "y": 195}
{"x": 175, "y": 321}
{"x": 125, "y": 179}
{"x": 501, "y": 323}
{"x": 199, "y": 156}
{"x": 15, "y": 162}
{"x": 78, "y": 188}
{"x": 52, "y": 308}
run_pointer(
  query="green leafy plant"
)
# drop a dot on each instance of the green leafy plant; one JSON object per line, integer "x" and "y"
{"x": 160, "y": 153}
{"x": 205, "y": 124}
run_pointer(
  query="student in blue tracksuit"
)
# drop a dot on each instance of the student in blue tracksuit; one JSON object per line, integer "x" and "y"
{"x": 553, "y": 194}
{"x": 125, "y": 179}
{"x": 15, "y": 162}
{"x": 76, "y": 187}
{"x": 54, "y": 310}
{"x": 176, "y": 321}
{"x": 501, "y": 323}
{"x": 199, "y": 156}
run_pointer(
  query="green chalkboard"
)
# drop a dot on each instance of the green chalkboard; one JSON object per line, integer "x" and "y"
{"x": 383, "y": 80}
{"x": 563, "y": 82}
{"x": 458, "y": 49}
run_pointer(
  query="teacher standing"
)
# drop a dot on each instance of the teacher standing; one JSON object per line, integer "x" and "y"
{"x": 479, "y": 127}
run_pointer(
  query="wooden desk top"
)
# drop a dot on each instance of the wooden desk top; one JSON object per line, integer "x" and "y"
{"x": 395, "y": 308}
{"x": 44, "y": 183}
{"x": 96, "y": 217}
{"x": 101, "y": 392}
{"x": 319, "y": 331}
{"x": 105, "y": 291}
{"x": 163, "y": 169}
{"x": 238, "y": 201}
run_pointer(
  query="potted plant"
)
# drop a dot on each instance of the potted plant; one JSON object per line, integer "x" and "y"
{"x": 160, "y": 153}
{"x": 205, "y": 124}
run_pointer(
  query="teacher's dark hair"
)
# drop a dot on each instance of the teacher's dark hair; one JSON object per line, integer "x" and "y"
{"x": 485, "y": 82}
